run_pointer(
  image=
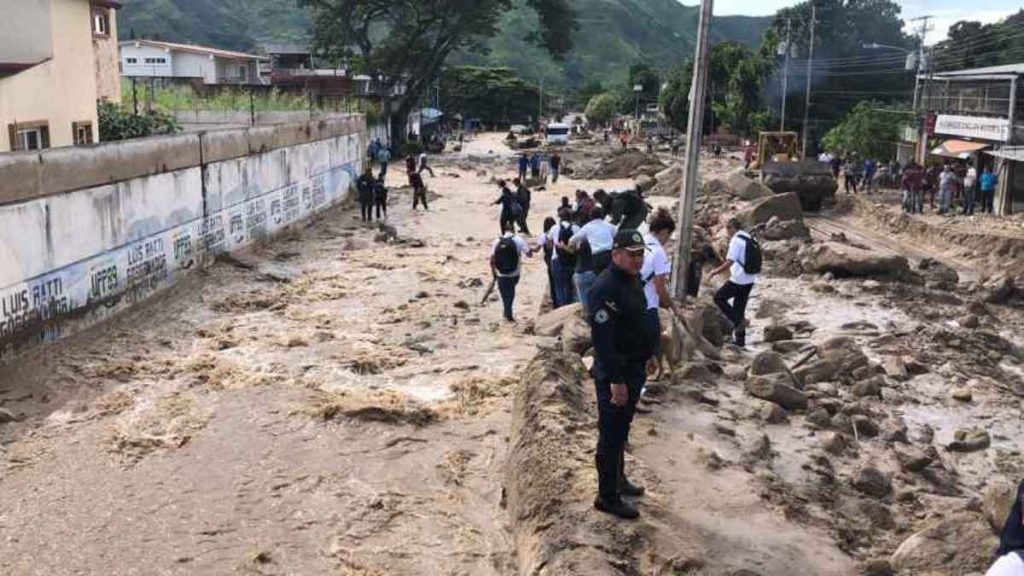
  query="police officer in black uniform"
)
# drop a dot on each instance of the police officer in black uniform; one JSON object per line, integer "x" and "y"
{"x": 623, "y": 342}
{"x": 365, "y": 185}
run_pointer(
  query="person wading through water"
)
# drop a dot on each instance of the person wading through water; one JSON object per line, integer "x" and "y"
{"x": 623, "y": 343}
{"x": 510, "y": 208}
{"x": 419, "y": 189}
{"x": 506, "y": 263}
{"x": 523, "y": 197}
{"x": 380, "y": 199}
{"x": 365, "y": 185}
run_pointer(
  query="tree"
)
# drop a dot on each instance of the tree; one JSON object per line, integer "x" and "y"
{"x": 977, "y": 45}
{"x": 116, "y": 123}
{"x": 674, "y": 100}
{"x": 491, "y": 94}
{"x": 647, "y": 77}
{"x": 844, "y": 71}
{"x": 602, "y": 108}
{"x": 870, "y": 130}
{"x": 407, "y": 42}
{"x": 736, "y": 76}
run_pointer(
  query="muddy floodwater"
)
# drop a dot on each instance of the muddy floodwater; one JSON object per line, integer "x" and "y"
{"x": 340, "y": 401}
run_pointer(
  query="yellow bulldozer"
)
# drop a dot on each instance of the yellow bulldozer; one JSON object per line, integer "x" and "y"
{"x": 782, "y": 170}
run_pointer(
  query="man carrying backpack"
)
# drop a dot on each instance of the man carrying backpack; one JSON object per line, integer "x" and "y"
{"x": 506, "y": 260}
{"x": 563, "y": 262}
{"x": 743, "y": 261}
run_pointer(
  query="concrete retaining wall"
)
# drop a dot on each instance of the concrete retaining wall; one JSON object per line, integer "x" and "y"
{"x": 85, "y": 232}
{"x": 201, "y": 120}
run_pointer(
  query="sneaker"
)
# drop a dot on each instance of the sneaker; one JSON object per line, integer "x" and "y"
{"x": 620, "y": 508}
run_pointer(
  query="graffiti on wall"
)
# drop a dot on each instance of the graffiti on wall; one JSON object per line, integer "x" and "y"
{"x": 39, "y": 309}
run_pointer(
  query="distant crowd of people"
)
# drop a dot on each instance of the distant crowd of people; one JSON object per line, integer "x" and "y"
{"x": 947, "y": 186}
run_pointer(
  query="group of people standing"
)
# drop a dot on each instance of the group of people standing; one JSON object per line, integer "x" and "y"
{"x": 954, "y": 184}
{"x": 373, "y": 192}
{"x": 951, "y": 183}
{"x": 596, "y": 255}
{"x": 531, "y": 166}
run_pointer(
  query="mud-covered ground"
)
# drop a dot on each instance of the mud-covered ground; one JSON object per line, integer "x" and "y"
{"x": 339, "y": 401}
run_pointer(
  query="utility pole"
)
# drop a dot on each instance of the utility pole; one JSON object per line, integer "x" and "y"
{"x": 785, "y": 73}
{"x": 810, "y": 74}
{"x": 922, "y": 133}
{"x": 690, "y": 186}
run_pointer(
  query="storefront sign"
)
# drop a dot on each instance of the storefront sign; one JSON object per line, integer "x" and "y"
{"x": 982, "y": 128}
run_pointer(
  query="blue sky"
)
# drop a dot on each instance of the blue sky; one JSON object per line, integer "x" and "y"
{"x": 945, "y": 12}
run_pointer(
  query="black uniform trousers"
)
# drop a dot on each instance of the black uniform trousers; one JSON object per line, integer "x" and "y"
{"x": 740, "y": 295}
{"x": 613, "y": 423}
{"x": 366, "y": 205}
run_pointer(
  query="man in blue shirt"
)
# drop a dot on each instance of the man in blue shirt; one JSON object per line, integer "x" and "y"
{"x": 987, "y": 184}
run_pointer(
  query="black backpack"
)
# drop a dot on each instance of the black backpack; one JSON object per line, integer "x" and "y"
{"x": 506, "y": 256}
{"x": 752, "y": 260}
{"x": 567, "y": 258}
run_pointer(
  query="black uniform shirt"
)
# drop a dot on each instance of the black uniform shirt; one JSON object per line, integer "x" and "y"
{"x": 619, "y": 327}
{"x": 365, "y": 184}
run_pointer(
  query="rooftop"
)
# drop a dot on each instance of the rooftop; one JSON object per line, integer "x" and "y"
{"x": 194, "y": 48}
{"x": 286, "y": 49}
{"x": 1008, "y": 69}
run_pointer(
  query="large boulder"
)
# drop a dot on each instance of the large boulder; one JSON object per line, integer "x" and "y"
{"x": 767, "y": 362}
{"x": 997, "y": 500}
{"x": 844, "y": 260}
{"x": 937, "y": 275}
{"x": 782, "y": 206}
{"x": 871, "y": 481}
{"x": 833, "y": 364}
{"x": 777, "y": 388}
{"x": 575, "y": 336}
{"x": 776, "y": 229}
{"x": 951, "y": 546}
{"x": 551, "y": 324}
{"x": 668, "y": 181}
{"x": 998, "y": 289}
{"x": 737, "y": 184}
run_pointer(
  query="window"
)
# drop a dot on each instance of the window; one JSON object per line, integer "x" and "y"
{"x": 29, "y": 136}
{"x": 100, "y": 21}
{"x": 156, "y": 60}
{"x": 243, "y": 73}
{"x": 82, "y": 132}
{"x": 132, "y": 60}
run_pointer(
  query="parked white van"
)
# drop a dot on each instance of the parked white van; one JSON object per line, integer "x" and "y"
{"x": 558, "y": 133}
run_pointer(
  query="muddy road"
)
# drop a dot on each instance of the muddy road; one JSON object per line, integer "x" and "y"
{"x": 339, "y": 401}
{"x": 336, "y": 400}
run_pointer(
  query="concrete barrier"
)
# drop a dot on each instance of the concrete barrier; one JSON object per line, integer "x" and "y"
{"x": 87, "y": 232}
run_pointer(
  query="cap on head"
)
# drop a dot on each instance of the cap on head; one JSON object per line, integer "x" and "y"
{"x": 629, "y": 239}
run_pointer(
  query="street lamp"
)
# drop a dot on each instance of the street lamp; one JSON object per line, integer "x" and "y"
{"x": 915, "y": 61}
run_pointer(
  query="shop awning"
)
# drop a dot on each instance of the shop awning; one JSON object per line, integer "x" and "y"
{"x": 1014, "y": 153}
{"x": 961, "y": 149}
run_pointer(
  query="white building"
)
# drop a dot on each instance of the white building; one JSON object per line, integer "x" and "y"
{"x": 152, "y": 59}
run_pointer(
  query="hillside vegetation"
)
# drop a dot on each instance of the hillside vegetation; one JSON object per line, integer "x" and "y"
{"x": 612, "y": 34}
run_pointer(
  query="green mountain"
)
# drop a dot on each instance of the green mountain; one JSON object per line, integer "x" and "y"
{"x": 612, "y": 34}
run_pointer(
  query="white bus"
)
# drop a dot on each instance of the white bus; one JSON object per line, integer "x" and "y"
{"x": 558, "y": 133}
